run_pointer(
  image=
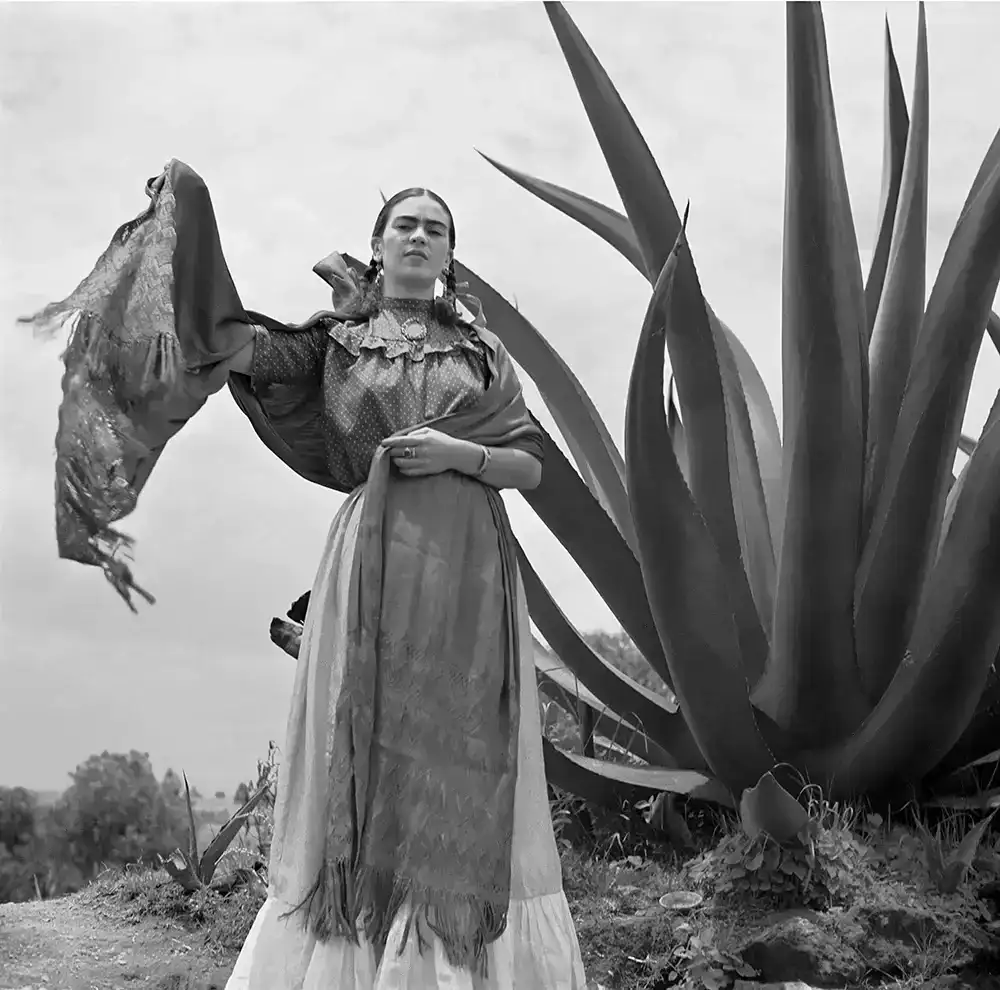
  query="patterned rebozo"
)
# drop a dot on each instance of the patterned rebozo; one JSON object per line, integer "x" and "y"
{"x": 154, "y": 326}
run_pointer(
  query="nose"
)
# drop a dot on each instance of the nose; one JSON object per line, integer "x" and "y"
{"x": 418, "y": 236}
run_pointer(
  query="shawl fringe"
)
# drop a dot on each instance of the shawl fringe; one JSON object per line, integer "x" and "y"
{"x": 91, "y": 486}
{"x": 344, "y": 902}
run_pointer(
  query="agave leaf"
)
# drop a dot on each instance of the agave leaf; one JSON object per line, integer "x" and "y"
{"x": 607, "y": 224}
{"x": 966, "y": 444}
{"x": 748, "y": 497}
{"x": 933, "y": 850}
{"x": 182, "y": 870}
{"x": 564, "y": 503}
{"x": 633, "y": 702}
{"x": 766, "y": 440}
{"x": 993, "y": 329}
{"x": 956, "y": 638}
{"x": 686, "y": 581}
{"x": 560, "y": 684}
{"x": 980, "y": 801}
{"x": 812, "y": 687}
{"x": 712, "y": 398}
{"x": 897, "y": 324}
{"x": 990, "y": 161}
{"x": 960, "y": 861}
{"x": 227, "y": 833}
{"x": 909, "y": 514}
{"x": 192, "y": 830}
{"x": 956, "y": 489}
{"x": 633, "y": 168}
{"x": 678, "y": 438}
{"x": 616, "y": 230}
{"x": 982, "y": 733}
{"x": 579, "y": 422}
{"x": 608, "y": 784}
{"x": 768, "y": 809}
{"x": 897, "y": 124}
{"x": 688, "y": 336}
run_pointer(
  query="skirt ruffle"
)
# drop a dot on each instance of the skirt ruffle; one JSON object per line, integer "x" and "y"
{"x": 538, "y": 951}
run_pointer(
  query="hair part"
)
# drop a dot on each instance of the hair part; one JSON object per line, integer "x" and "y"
{"x": 369, "y": 301}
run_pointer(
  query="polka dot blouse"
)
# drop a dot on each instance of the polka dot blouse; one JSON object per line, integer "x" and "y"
{"x": 398, "y": 369}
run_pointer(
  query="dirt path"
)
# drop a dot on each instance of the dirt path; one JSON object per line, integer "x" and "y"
{"x": 76, "y": 943}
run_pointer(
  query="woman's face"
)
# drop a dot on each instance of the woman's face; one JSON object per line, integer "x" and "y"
{"x": 414, "y": 247}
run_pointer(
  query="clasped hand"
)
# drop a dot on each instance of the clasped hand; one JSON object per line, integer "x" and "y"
{"x": 424, "y": 452}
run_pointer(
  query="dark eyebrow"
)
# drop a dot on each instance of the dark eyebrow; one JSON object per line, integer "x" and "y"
{"x": 412, "y": 219}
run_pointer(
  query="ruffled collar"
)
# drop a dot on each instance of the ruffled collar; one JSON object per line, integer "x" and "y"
{"x": 405, "y": 326}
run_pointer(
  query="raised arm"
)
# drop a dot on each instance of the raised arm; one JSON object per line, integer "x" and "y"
{"x": 282, "y": 357}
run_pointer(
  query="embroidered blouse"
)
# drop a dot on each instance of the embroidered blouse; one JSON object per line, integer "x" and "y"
{"x": 400, "y": 368}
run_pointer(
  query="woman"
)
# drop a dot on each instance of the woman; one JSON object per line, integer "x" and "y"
{"x": 413, "y": 846}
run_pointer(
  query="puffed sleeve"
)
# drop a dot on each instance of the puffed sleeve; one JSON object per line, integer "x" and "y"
{"x": 288, "y": 357}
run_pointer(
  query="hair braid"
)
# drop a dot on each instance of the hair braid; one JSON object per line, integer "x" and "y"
{"x": 446, "y": 307}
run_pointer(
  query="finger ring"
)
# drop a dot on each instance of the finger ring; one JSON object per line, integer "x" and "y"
{"x": 408, "y": 452}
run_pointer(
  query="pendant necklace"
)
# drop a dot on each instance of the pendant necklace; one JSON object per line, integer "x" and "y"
{"x": 413, "y": 329}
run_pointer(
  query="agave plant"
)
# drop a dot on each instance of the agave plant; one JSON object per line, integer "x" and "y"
{"x": 827, "y": 600}
{"x": 189, "y": 869}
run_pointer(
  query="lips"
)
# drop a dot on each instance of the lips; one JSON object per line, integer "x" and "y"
{"x": 415, "y": 253}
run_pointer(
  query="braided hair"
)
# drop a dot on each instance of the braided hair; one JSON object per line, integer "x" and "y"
{"x": 369, "y": 301}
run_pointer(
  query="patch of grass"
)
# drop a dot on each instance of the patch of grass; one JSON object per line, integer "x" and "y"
{"x": 622, "y": 936}
{"x": 617, "y": 864}
{"x": 872, "y": 885}
{"x": 222, "y": 922}
{"x": 180, "y": 977}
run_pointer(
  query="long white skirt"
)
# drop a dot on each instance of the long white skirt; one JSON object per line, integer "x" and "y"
{"x": 538, "y": 950}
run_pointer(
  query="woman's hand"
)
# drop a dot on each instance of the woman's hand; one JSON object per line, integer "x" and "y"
{"x": 425, "y": 452}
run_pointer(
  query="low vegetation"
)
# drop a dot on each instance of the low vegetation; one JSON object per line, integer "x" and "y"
{"x": 666, "y": 892}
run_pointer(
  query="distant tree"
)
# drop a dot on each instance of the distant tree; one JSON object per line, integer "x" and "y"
{"x": 18, "y": 813}
{"x": 18, "y": 809}
{"x": 621, "y": 652}
{"x": 220, "y": 795}
{"x": 172, "y": 785}
{"x": 242, "y": 794}
{"x": 173, "y": 788}
{"x": 115, "y": 811}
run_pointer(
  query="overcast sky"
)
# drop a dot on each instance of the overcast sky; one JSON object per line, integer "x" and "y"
{"x": 296, "y": 115}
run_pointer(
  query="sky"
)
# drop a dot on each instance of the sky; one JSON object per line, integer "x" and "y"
{"x": 296, "y": 115}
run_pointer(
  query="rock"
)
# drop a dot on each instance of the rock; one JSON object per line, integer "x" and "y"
{"x": 990, "y": 892}
{"x": 681, "y": 900}
{"x": 796, "y": 948}
{"x": 908, "y": 925}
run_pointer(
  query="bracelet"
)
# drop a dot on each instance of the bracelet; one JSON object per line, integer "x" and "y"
{"x": 486, "y": 463}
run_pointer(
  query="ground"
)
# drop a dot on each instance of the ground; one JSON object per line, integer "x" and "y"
{"x": 135, "y": 928}
{"x": 85, "y": 942}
